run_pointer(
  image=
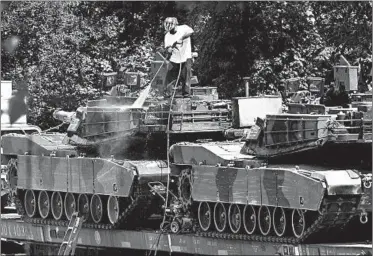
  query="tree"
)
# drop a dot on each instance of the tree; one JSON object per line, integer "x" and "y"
{"x": 64, "y": 46}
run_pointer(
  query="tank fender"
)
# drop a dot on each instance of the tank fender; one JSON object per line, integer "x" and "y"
{"x": 112, "y": 178}
{"x": 288, "y": 188}
{"x": 220, "y": 184}
{"x": 76, "y": 175}
{"x": 340, "y": 182}
{"x": 206, "y": 153}
{"x": 256, "y": 186}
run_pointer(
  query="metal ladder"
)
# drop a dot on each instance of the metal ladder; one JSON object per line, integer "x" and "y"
{"x": 71, "y": 235}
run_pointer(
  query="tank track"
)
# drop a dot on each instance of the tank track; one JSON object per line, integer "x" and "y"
{"x": 329, "y": 217}
{"x": 139, "y": 200}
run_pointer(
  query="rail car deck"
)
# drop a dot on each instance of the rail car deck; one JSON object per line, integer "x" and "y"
{"x": 14, "y": 229}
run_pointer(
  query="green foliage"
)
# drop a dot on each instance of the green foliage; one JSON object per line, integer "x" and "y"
{"x": 64, "y": 46}
{"x": 273, "y": 41}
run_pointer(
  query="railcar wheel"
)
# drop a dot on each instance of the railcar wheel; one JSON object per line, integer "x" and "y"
{"x": 249, "y": 219}
{"x": 264, "y": 216}
{"x": 96, "y": 208}
{"x": 220, "y": 217}
{"x": 298, "y": 222}
{"x": 44, "y": 204}
{"x": 204, "y": 216}
{"x": 83, "y": 206}
{"x": 234, "y": 219}
{"x": 30, "y": 203}
{"x": 69, "y": 205}
{"x": 113, "y": 209}
{"x": 57, "y": 205}
{"x": 279, "y": 221}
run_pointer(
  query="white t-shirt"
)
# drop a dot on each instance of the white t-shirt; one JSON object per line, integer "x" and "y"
{"x": 184, "y": 51}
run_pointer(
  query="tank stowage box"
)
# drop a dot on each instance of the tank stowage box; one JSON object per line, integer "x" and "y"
{"x": 204, "y": 93}
{"x": 316, "y": 85}
{"x": 347, "y": 76}
{"x": 246, "y": 110}
{"x": 296, "y": 108}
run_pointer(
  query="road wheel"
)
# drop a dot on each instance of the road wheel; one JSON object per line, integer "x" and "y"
{"x": 30, "y": 203}
{"x": 249, "y": 219}
{"x": 264, "y": 216}
{"x": 220, "y": 217}
{"x": 298, "y": 223}
{"x": 279, "y": 221}
{"x": 57, "y": 205}
{"x": 70, "y": 205}
{"x": 44, "y": 204}
{"x": 204, "y": 216}
{"x": 234, "y": 214}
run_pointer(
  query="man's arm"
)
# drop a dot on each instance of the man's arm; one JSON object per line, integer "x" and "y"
{"x": 188, "y": 31}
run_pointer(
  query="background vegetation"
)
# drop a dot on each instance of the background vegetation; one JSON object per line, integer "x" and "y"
{"x": 60, "y": 48}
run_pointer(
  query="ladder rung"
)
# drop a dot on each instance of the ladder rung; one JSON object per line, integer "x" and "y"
{"x": 71, "y": 234}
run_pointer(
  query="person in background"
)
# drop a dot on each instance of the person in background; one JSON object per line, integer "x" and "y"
{"x": 177, "y": 43}
{"x": 282, "y": 92}
{"x": 338, "y": 97}
{"x": 342, "y": 98}
{"x": 329, "y": 95}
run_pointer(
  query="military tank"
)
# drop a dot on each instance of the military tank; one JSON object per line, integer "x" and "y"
{"x": 109, "y": 165}
{"x": 261, "y": 187}
{"x": 233, "y": 193}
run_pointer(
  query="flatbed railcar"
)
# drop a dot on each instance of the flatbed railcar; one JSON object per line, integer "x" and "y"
{"x": 46, "y": 239}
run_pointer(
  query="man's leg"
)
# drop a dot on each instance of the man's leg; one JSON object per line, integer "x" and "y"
{"x": 170, "y": 76}
{"x": 185, "y": 79}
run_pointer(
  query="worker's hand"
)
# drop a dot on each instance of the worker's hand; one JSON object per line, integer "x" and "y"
{"x": 169, "y": 49}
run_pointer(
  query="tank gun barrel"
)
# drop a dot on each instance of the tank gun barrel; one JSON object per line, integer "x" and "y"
{"x": 63, "y": 116}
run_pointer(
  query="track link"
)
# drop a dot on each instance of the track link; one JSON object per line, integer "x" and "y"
{"x": 123, "y": 217}
{"x": 329, "y": 217}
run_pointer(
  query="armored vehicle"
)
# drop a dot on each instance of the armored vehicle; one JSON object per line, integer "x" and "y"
{"x": 231, "y": 191}
{"x": 111, "y": 160}
{"x": 260, "y": 186}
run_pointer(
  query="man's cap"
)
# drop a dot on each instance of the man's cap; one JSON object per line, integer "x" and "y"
{"x": 171, "y": 20}
{"x": 170, "y": 23}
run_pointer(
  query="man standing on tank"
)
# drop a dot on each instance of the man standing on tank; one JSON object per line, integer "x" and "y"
{"x": 178, "y": 44}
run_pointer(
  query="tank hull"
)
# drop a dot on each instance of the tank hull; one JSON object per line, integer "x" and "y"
{"x": 233, "y": 194}
{"x": 107, "y": 192}
{"x": 76, "y": 175}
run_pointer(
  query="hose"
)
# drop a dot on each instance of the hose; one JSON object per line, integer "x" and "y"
{"x": 168, "y": 159}
{"x": 168, "y": 141}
